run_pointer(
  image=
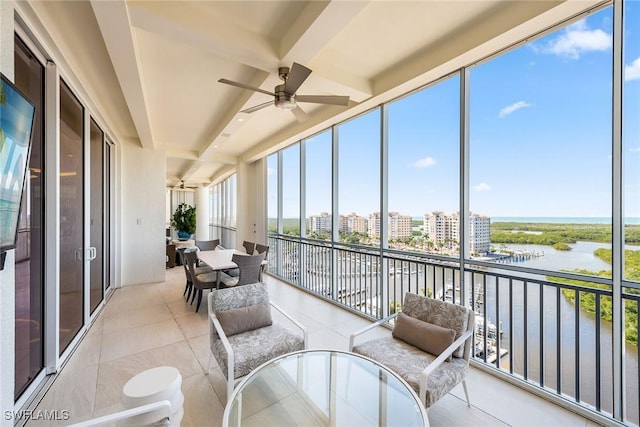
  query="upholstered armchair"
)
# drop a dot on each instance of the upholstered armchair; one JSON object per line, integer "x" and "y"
{"x": 429, "y": 348}
{"x": 242, "y": 334}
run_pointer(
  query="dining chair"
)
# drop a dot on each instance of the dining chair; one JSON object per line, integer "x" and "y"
{"x": 249, "y": 246}
{"x": 263, "y": 249}
{"x": 202, "y": 269}
{"x": 200, "y": 281}
{"x": 207, "y": 245}
{"x": 249, "y": 268}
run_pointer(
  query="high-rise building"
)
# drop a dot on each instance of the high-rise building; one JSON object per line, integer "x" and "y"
{"x": 398, "y": 226}
{"x": 320, "y": 224}
{"x": 444, "y": 230}
{"x": 352, "y": 222}
{"x": 479, "y": 233}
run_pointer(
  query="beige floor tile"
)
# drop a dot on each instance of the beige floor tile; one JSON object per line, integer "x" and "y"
{"x": 200, "y": 347}
{"x": 73, "y": 391}
{"x": 151, "y": 325}
{"x": 145, "y": 315}
{"x": 201, "y": 404}
{"x": 114, "y": 375}
{"x": 135, "y": 340}
{"x": 194, "y": 325}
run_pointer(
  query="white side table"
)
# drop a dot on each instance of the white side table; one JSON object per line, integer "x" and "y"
{"x": 152, "y": 385}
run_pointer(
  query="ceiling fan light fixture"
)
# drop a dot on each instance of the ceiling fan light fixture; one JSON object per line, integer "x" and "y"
{"x": 285, "y": 101}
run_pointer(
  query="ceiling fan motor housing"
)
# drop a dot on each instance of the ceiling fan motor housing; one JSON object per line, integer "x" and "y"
{"x": 284, "y": 100}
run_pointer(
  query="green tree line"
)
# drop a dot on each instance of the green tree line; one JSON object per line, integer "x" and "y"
{"x": 588, "y": 299}
{"x": 550, "y": 234}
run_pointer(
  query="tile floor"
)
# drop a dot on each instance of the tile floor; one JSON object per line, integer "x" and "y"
{"x": 150, "y": 325}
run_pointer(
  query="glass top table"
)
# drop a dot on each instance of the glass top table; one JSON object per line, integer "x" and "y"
{"x": 323, "y": 388}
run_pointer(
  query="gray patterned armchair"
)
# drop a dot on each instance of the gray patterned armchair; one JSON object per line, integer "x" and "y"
{"x": 429, "y": 348}
{"x": 242, "y": 335}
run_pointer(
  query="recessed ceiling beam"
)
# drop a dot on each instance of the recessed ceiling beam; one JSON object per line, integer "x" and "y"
{"x": 113, "y": 20}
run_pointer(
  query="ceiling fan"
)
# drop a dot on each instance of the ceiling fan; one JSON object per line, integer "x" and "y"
{"x": 284, "y": 95}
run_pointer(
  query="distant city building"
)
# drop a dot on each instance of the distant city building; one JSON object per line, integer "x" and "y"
{"x": 320, "y": 224}
{"x": 398, "y": 226}
{"x": 479, "y": 233}
{"x": 352, "y": 222}
{"x": 444, "y": 230}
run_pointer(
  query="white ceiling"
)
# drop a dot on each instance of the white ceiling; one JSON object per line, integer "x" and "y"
{"x": 152, "y": 67}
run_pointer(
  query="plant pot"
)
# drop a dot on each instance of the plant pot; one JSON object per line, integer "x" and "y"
{"x": 183, "y": 235}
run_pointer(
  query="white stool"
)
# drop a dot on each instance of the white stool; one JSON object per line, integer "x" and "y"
{"x": 152, "y": 385}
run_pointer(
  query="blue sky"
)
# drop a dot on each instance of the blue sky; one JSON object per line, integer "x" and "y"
{"x": 540, "y": 129}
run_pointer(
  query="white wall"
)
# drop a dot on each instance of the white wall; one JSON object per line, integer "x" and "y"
{"x": 7, "y": 276}
{"x": 143, "y": 199}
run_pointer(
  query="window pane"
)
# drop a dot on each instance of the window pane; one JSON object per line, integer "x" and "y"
{"x": 631, "y": 139}
{"x": 540, "y": 164}
{"x": 272, "y": 193}
{"x": 291, "y": 190}
{"x": 318, "y": 180}
{"x": 424, "y": 148}
{"x": 359, "y": 178}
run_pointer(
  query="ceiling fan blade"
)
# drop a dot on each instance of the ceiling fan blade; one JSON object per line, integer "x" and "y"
{"x": 324, "y": 99}
{"x": 301, "y": 116}
{"x": 297, "y": 75}
{"x": 257, "y": 107}
{"x": 244, "y": 86}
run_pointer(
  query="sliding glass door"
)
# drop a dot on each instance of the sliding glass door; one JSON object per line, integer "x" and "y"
{"x": 71, "y": 217}
{"x": 29, "y": 278}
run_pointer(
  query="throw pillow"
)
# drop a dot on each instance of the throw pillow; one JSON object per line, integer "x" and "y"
{"x": 431, "y": 338}
{"x": 243, "y": 319}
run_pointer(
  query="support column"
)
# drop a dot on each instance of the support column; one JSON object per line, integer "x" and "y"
{"x": 252, "y": 202}
{"x": 202, "y": 214}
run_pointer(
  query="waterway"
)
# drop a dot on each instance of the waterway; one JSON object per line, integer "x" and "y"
{"x": 582, "y": 363}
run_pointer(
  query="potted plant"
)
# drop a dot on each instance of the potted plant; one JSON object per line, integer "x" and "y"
{"x": 184, "y": 220}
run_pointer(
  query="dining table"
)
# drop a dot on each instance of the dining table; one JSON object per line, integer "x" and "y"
{"x": 219, "y": 260}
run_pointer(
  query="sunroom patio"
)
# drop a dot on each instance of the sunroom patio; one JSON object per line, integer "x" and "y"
{"x": 150, "y": 325}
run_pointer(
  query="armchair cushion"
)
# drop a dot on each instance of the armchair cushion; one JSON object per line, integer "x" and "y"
{"x": 431, "y": 338}
{"x": 243, "y": 319}
{"x": 408, "y": 361}
{"x": 253, "y": 348}
{"x": 439, "y": 313}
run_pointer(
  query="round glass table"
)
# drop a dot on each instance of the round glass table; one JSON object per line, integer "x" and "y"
{"x": 323, "y": 388}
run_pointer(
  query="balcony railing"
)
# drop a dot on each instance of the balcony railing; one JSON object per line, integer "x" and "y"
{"x": 530, "y": 326}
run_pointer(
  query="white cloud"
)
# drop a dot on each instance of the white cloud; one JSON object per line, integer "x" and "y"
{"x": 635, "y": 149}
{"x": 483, "y": 186}
{"x": 632, "y": 71}
{"x": 513, "y": 107}
{"x": 576, "y": 40}
{"x": 423, "y": 163}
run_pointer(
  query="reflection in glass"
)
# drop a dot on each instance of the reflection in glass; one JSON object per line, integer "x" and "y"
{"x": 29, "y": 253}
{"x": 71, "y": 216}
